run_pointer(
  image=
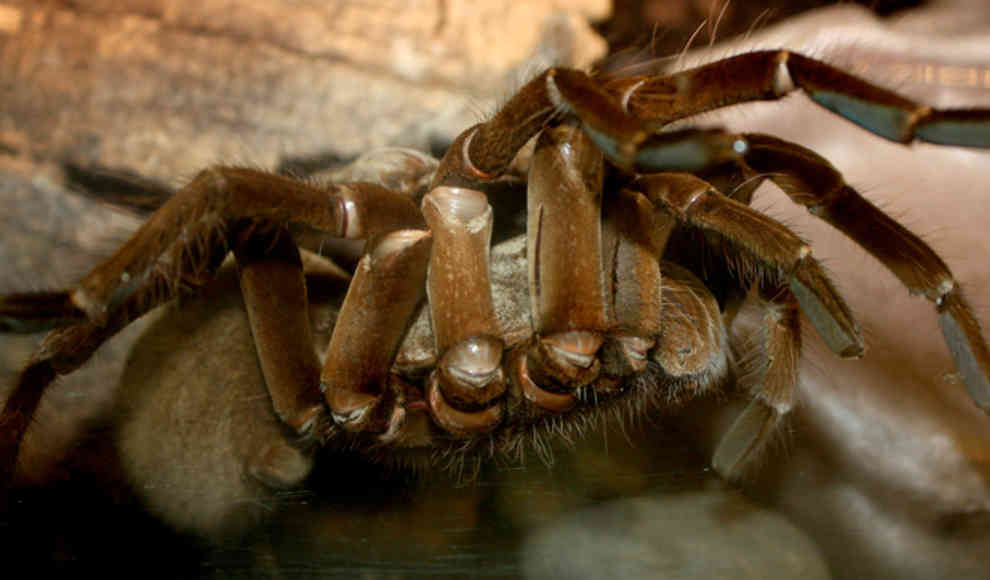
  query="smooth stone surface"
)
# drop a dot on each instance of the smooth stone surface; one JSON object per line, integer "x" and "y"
{"x": 711, "y": 534}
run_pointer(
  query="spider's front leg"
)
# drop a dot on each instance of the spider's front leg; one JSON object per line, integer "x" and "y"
{"x": 791, "y": 279}
{"x": 466, "y": 388}
{"x": 772, "y": 381}
{"x": 567, "y": 281}
{"x": 274, "y": 290}
{"x": 483, "y": 152}
{"x": 771, "y": 75}
{"x": 387, "y": 286}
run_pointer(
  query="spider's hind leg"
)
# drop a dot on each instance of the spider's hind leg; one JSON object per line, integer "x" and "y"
{"x": 62, "y": 351}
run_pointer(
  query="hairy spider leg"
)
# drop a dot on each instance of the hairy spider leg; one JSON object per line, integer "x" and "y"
{"x": 799, "y": 281}
{"x": 771, "y": 75}
{"x": 387, "y": 286}
{"x": 483, "y": 152}
{"x": 695, "y": 202}
{"x": 810, "y": 180}
{"x": 770, "y": 378}
{"x": 270, "y": 272}
{"x": 465, "y": 389}
{"x": 179, "y": 248}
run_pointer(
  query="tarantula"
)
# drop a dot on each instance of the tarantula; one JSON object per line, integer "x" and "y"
{"x": 619, "y": 206}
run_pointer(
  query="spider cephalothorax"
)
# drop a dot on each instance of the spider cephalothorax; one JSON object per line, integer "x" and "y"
{"x": 614, "y": 201}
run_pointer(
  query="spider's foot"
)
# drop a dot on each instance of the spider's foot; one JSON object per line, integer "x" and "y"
{"x": 552, "y": 369}
{"x": 464, "y": 392}
{"x": 962, "y": 334}
{"x": 745, "y": 439}
{"x": 826, "y": 309}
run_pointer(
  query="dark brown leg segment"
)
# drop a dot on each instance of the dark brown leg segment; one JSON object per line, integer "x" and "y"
{"x": 769, "y": 75}
{"x": 210, "y": 204}
{"x": 18, "y": 411}
{"x": 770, "y": 377}
{"x": 32, "y": 312}
{"x": 180, "y": 247}
{"x": 567, "y": 288}
{"x": 177, "y": 246}
{"x": 381, "y": 300}
{"x": 465, "y": 388}
{"x": 812, "y": 181}
{"x": 694, "y": 201}
{"x": 484, "y": 151}
{"x": 630, "y": 143}
{"x": 274, "y": 290}
{"x": 63, "y": 351}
